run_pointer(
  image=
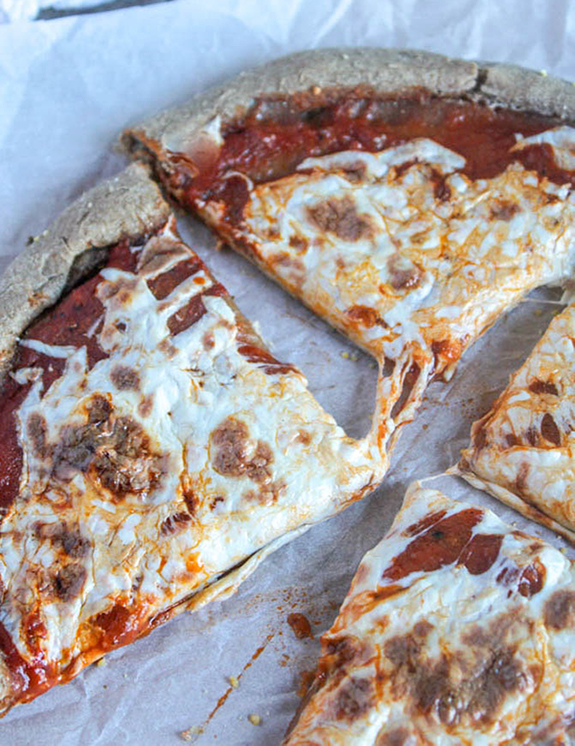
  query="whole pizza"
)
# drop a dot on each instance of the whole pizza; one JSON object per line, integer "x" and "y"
{"x": 153, "y": 449}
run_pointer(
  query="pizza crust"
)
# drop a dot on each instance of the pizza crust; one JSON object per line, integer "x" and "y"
{"x": 126, "y": 206}
{"x": 383, "y": 71}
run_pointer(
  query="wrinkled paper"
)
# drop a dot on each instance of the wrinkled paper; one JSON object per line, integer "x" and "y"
{"x": 67, "y": 87}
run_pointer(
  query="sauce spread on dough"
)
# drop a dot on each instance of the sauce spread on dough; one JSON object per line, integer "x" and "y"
{"x": 278, "y": 134}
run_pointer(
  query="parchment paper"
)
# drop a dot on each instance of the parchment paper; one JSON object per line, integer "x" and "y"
{"x": 67, "y": 87}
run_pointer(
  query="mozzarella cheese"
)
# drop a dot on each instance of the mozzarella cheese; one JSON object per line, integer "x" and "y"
{"x": 151, "y": 474}
{"x": 523, "y": 449}
{"x": 404, "y": 253}
{"x": 457, "y": 629}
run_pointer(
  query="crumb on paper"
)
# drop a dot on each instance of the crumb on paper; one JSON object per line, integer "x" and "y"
{"x": 255, "y": 719}
{"x": 345, "y": 355}
{"x": 101, "y": 662}
{"x": 234, "y": 681}
{"x": 354, "y": 356}
{"x": 188, "y": 735}
{"x": 544, "y": 73}
{"x": 564, "y": 550}
{"x": 316, "y": 90}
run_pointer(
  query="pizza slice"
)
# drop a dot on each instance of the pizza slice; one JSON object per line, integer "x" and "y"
{"x": 457, "y": 629}
{"x": 152, "y": 449}
{"x": 522, "y": 451}
{"x": 406, "y": 198}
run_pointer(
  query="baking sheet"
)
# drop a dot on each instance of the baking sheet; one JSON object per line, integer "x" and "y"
{"x": 67, "y": 87}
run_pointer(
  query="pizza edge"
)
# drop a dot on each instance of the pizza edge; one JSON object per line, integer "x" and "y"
{"x": 127, "y": 206}
{"x": 513, "y": 501}
{"x": 381, "y": 70}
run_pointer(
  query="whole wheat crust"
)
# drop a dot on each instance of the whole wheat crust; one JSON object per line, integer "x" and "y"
{"x": 383, "y": 71}
{"x": 127, "y": 206}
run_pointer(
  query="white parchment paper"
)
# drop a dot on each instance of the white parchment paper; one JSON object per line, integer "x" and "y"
{"x": 67, "y": 87}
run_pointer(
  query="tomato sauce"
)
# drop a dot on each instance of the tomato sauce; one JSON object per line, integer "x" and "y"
{"x": 278, "y": 134}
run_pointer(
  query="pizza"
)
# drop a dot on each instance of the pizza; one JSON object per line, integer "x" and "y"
{"x": 522, "y": 449}
{"x": 152, "y": 449}
{"x": 457, "y": 629}
{"x": 407, "y": 199}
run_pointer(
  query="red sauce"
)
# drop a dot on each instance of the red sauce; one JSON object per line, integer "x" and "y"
{"x": 300, "y": 625}
{"x": 120, "y": 626}
{"x": 439, "y": 545}
{"x": 277, "y": 135}
{"x": 29, "y": 677}
{"x": 193, "y": 311}
{"x": 481, "y": 552}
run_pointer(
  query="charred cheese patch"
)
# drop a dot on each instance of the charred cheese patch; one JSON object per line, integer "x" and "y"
{"x": 457, "y": 629}
{"x": 523, "y": 449}
{"x": 151, "y": 472}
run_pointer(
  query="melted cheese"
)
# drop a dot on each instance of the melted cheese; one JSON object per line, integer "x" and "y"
{"x": 406, "y": 255}
{"x": 444, "y": 654}
{"x": 163, "y": 466}
{"x": 524, "y": 449}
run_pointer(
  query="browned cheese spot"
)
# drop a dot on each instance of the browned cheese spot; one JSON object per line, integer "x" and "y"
{"x": 355, "y": 172}
{"x": 395, "y": 737}
{"x": 354, "y": 699}
{"x": 452, "y": 689}
{"x": 231, "y": 446}
{"x": 521, "y": 478}
{"x": 543, "y": 387}
{"x": 64, "y": 537}
{"x": 559, "y": 611}
{"x": 175, "y": 523}
{"x": 145, "y": 406}
{"x": 299, "y": 243}
{"x": 68, "y": 581}
{"x": 125, "y": 378}
{"x": 340, "y": 217}
{"x": 268, "y": 493}
{"x": 36, "y": 429}
{"x": 116, "y": 452}
{"x": 364, "y": 315}
{"x": 402, "y": 275}
{"x": 230, "y": 443}
{"x": 511, "y": 440}
{"x": 503, "y": 209}
{"x": 532, "y": 436}
{"x": 549, "y": 430}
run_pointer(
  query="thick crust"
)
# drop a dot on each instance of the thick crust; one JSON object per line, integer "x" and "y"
{"x": 385, "y": 71}
{"x": 126, "y": 206}
{"x": 312, "y": 72}
{"x": 514, "y": 501}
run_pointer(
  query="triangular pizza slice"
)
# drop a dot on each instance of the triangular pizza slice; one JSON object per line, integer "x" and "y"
{"x": 392, "y": 192}
{"x": 152, "y": 449}
{"x": 522, "y": 451}
{"x": 457, "y": 629}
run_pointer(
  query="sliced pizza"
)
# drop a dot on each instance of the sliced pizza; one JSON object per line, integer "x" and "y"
{"x": 406, "y": 198}
{"x": 152, "y": 449}
{"x": 457, "y": 629}
{"x": 523, "y": 450}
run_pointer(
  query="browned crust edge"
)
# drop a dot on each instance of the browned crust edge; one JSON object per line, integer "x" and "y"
{"x": 385, "y": 71}
{"x": 129, "y": 205}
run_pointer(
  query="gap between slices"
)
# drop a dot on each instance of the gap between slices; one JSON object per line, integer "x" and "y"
{"x": 152, "y": 449}
{"x": 457, "y": 629}
{"x": 409, "y": 219}
{"x": 522, "y": 449}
